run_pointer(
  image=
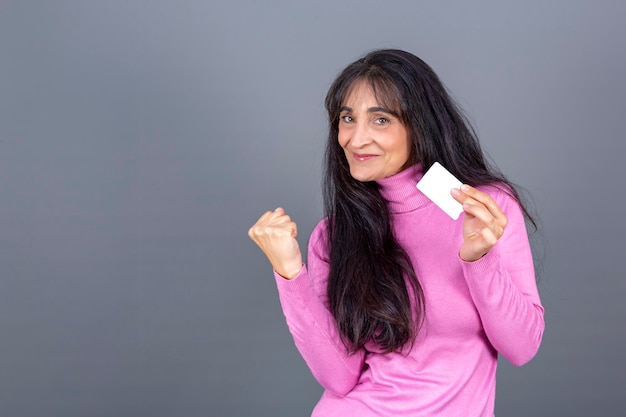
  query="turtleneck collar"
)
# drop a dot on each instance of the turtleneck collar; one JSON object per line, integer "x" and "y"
{"x": 400, "y": 192}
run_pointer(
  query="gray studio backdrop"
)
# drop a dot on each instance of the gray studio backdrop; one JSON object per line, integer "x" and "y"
{"x": 140, "y": 139}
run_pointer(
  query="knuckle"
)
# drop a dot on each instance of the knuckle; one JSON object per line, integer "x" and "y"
{"x": 490, "y": 239}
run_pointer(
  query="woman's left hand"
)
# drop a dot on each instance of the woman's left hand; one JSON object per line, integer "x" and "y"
{"x": 483, "y": 225}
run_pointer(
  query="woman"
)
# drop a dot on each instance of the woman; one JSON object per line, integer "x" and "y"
{"x": 401, "y": 310}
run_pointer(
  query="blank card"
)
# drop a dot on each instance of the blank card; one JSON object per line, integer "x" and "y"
{"x": 436, "y": 184}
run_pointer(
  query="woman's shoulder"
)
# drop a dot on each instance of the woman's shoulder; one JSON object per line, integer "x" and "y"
{"x": 501, "y": 193}
{"x": 319, "y": 233}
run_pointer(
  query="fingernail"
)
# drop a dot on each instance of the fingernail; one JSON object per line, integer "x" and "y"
{"x": 465, "y": 187}
{"x": 455, "y": 192}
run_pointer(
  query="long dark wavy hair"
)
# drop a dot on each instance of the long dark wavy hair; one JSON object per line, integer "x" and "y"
{"x": 373, "y": 290}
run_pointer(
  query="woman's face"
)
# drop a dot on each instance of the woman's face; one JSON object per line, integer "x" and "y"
{"x": 375, "y": 142}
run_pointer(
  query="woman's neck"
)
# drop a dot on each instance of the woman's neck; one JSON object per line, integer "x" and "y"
{"x": 399, "y": 190}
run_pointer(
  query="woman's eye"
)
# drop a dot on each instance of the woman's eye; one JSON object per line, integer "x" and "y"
{"x": 346, "y": 119}
{"x": 381, "y": 121}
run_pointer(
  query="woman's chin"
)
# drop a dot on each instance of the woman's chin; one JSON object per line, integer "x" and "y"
{"x": 363, "y": 176}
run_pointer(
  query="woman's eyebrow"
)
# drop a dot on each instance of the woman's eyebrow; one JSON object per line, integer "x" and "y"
{"x": 369, "y": 110}
{"x": 380, "y": 109}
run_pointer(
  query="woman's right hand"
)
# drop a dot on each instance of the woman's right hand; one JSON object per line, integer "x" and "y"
{"x": 275, "y": 234}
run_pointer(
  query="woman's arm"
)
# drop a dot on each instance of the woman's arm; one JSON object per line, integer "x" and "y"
{"x": 302, "y": 292}
{"x": 305, "y": 305}
{"x": 503, "y": 288}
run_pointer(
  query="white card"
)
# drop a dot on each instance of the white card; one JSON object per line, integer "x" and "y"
{"x": 436, "y": 184}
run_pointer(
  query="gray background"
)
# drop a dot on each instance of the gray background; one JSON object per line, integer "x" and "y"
{"x": 140, "y": 139}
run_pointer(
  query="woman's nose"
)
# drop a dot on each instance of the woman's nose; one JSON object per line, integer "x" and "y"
{"x": 361, "y": 136}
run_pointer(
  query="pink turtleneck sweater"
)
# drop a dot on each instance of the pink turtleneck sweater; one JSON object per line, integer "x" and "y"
{"x": 474, "y": 311}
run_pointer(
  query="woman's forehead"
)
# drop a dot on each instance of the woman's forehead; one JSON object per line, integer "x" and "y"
{"x": 363, "y": 89}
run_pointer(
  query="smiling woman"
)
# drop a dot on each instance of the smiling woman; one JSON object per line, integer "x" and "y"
{"x": 374, "y": 139}
{"x": 401, "y": 310}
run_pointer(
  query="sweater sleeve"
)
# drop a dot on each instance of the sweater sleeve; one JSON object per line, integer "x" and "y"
{"x": 503, "y": 288}
{"x": 305, "y": 306}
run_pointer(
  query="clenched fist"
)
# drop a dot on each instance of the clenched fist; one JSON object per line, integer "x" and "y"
{"x": 275, "y": 234}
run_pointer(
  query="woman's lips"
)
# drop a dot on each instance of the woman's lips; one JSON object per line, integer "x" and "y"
{"x": 363, "y": 157}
